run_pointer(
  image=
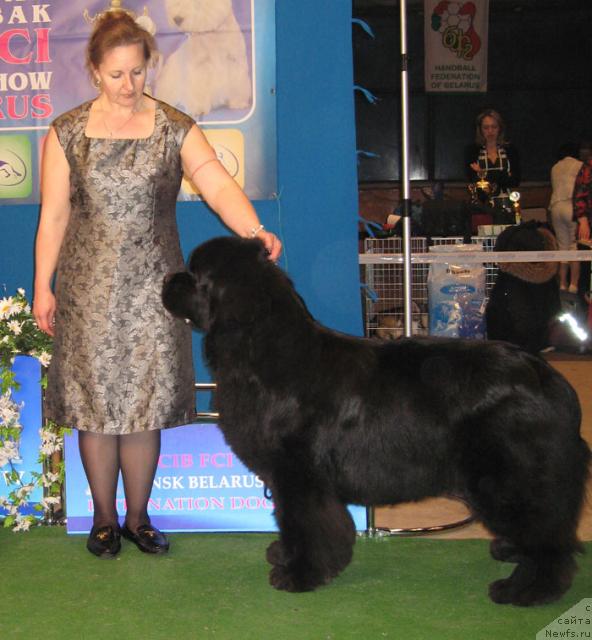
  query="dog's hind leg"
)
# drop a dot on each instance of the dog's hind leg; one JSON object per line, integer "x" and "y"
{"x": 317, "y": 535}
{"x": 534, "y": 517}
{"x": 541, "y": 540}
{"x": 503, "y": 550}
{"x": 541, "y": 576}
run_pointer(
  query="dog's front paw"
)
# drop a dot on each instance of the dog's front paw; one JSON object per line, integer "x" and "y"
{"x": 276, "y": 554}
{"x": 285, "y": 579}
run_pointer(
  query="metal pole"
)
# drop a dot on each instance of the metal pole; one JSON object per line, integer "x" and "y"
{"x": 406, "y": 202}
{"x": 405, "y": 185}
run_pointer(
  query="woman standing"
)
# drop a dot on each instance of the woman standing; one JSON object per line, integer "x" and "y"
{"x": 582, "y": 200}
{"x": 122, "y": 368}
{"x": 563, "y": 178}
{"x": 494, "y": 159}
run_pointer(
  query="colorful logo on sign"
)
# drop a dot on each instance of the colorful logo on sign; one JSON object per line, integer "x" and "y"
{"x": 454, "y": 20}
{"x": 15, "y": 166}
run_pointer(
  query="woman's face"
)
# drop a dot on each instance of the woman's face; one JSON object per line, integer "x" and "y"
{"x": 122, "y": 73}
{"x": 490, "y": 129}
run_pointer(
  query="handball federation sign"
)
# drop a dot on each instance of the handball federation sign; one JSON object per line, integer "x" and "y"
{"x": 455, "y": 36}
{"x": 42, "y": 74}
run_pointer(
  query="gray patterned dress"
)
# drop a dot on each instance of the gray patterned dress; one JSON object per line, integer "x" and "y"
{"x": 121, "y": 364}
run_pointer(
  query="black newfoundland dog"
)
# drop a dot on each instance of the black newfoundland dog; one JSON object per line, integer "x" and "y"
{"x": 524, "y": 300}
{"x": 327, "y": 420}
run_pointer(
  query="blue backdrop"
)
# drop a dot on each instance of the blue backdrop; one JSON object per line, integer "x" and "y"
{"x": 316, "y": 210}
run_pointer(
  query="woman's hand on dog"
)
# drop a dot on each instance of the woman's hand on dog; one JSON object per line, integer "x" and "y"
{"x": 272, "y": 243}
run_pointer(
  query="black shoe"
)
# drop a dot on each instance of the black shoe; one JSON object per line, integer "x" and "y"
{"x": 104, "y": 542}
{"x": 147, "y": 538}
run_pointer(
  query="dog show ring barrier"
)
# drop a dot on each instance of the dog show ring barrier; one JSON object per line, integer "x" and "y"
{"x": 383, "y": 284}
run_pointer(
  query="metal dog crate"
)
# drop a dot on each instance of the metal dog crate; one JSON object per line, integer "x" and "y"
{"x": 382, "y": 289}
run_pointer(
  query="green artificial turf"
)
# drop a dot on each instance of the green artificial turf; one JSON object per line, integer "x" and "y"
{"x": 215, "y": 587}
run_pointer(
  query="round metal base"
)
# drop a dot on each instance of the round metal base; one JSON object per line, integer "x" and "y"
{"x": 380, "y": 532}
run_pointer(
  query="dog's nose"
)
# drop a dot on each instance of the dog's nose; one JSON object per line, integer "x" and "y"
{"x": 178, "y": 20}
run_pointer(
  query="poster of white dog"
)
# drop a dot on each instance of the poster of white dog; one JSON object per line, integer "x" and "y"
{"x": 210, "y": 69}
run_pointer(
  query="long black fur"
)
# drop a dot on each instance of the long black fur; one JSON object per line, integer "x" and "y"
{"x": 327, "y": 419}
{"x": 525, "y": 298}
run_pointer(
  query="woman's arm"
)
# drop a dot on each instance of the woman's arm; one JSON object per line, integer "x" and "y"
{"x": 471, "y": 162}
{"x": 222, "y": 193}
{"x": 582, "y": 200}
{"x": 583, "y": 228}
{"x": 55, "y": 213}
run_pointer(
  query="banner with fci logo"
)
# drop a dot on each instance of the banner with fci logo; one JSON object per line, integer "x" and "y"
{"x": 200, "y": 485}
{"x": 215, "y": 62}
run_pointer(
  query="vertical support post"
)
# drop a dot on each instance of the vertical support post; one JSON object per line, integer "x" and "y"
{"x": 405, "y": 183}
{"x": 406, "y": 201}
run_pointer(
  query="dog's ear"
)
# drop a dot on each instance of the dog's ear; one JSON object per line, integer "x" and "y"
{"x": 179, "y": 295}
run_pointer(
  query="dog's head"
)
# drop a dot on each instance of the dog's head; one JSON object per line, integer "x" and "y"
{"x": 198, "y": 16}
{"x": 229, "y": 281}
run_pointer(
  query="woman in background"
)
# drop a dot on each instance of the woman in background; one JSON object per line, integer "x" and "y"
{"x": 561, "y": 206}
{"x": 582, "y": 200}
{"x": 494, "y": 159}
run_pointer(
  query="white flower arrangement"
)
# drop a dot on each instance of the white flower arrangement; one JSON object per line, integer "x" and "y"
{"x": 19, "y": 335}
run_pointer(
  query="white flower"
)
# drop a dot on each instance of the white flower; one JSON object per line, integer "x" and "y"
{"x": 16, "y": 327}
{"x": 50, "y": 442}
{"x": 9, "y": 411}
{"x": 49, "y": 501}
{"x": 9, "y": 307}
{"x": 25, "y": 490}
{"x": 47, "y": 448}
{"x": 5, "y": 307}
{"x": 8, "y": 451}
{"x": 49, "y": 478}
{"x": 23, "y": 493}
{"x": 22, "y": 524}
{"x": 16, "y": 322}
{"x": 44, "y": 358}
{"x": 11, "y": 508}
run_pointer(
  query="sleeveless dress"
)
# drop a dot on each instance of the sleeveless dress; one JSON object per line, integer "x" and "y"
{"x": 121, "y": 363}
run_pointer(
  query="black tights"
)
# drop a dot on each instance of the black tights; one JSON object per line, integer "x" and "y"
{"x": 103, "y": 456}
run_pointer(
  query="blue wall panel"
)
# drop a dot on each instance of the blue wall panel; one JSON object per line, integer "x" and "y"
{"x": 316, "y": 210}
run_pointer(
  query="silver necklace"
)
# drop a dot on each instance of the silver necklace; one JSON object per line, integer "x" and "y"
{"x": 111, "y": 131}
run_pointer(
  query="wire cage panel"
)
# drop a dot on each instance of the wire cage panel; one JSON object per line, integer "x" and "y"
{"x": 383, "y": 294}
